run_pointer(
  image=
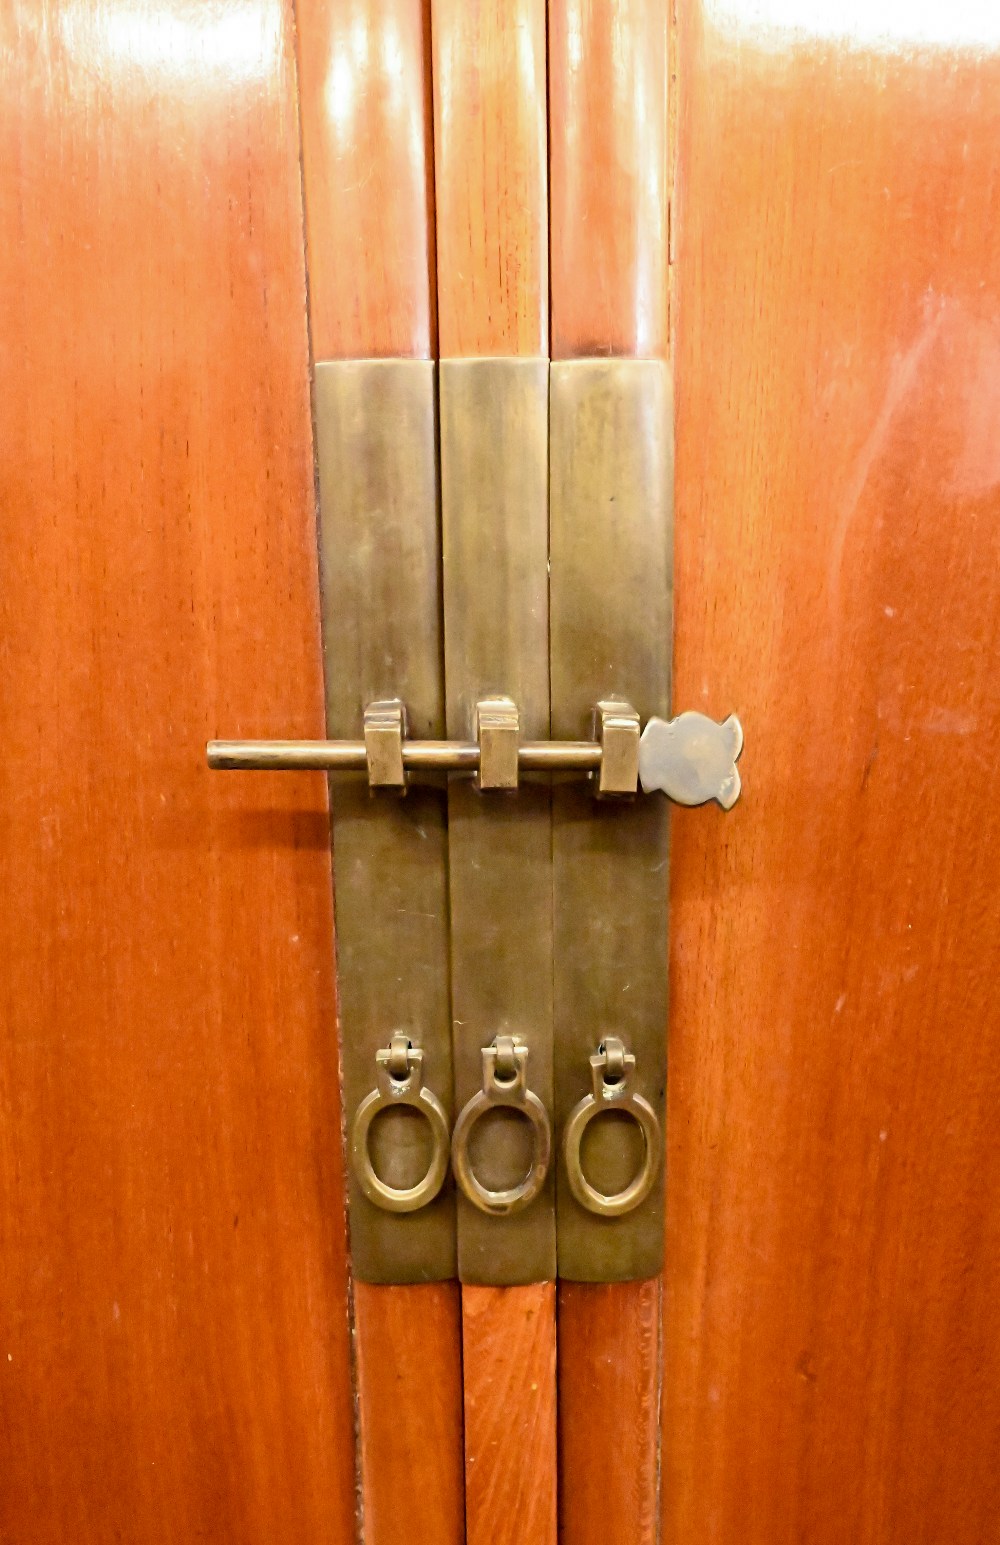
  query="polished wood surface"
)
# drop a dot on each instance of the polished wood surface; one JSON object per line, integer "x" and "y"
{"x": 608, "y": 111}
{"x": 608, "y": 108}
{"x": 832, "y": 1334}
{"x": 490, "y": 176}
{"x": 492, "y": 251}
{"x": 365, "y": 104}
{"x": 510, "y": 1414}
{"x": 174, "y": 1356}
{"x": 609, "y": 1412}
{"x": 409, "y": 1373}
{"x": 364, "y": 72}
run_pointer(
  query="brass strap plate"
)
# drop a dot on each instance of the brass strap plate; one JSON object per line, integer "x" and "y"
{"x": 611, "y": 617}
{"x": 376, "y": 445}
{"x": 494, "y": 500}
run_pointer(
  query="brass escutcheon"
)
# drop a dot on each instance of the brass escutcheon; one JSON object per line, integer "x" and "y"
{"x": 611, "y": 1071}
{"x": 505, "y": 1082}
{"x": 400, "y": 1081}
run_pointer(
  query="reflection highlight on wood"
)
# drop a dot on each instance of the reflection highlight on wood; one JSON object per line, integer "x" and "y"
{"x": 510, "y": 1414}
{"x": 490, "y": 176}
{"x": 365, "y": 105}
{"x": 609, "y": 1408}
{"x": 832, "y": 1333}
{"x": 174, "y": 1360}
{"x": 410, "y": 1413}
{"x": 608, "y": 155}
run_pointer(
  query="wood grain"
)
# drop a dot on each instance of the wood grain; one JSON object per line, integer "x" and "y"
{"x": 364, "y": 71}
{"x": 490, "y": 176}
{"x": 510, "y": 1414}
{"x": 365, "y": 95}
{"x": 492, "y": 250}
{"x": 832, "y": 1327}
{"x": 409, "y": 1372}
{"x": 608, "y": 110}
{"x": 608, "y": 158}
{"x": 609, "y": 1412}
{"x": 174, "y": 1356}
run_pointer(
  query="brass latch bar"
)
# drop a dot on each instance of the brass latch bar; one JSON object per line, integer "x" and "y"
{"x": 691, "y": 759}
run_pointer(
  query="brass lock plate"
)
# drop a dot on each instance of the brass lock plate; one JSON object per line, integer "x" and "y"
{"x": 381, "y": 599}
{"x": 611, "y": 616}
{"x": 546, "y": 887}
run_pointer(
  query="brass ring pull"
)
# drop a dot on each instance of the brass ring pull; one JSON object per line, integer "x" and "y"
{"x": 505, "y": 1082}
{"x": 399, "y": 1079}
{"x": 611, "y": 1070}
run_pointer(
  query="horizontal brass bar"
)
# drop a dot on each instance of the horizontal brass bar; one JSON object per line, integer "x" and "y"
{"x": 349, "y": 755}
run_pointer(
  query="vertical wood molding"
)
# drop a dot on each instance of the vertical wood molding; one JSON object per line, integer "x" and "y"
{"x": 609, "y": 115}
{"x": 609, "y": 1412}
{"x": 365, "y": 110}
{"x": 510, "y": 1414}
{"x": 492, "y": 252}
{"x": 491, "y": 176}
{"x": 409, "y": 1374}
{"x": 608, "y": 109}
{"x": 364, "y": 70}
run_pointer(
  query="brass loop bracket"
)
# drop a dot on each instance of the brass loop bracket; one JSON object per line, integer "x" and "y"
{"x": 399, "y": 1080}
{"x": 505, "y": 1083}
{"x": 611, "y": 1069}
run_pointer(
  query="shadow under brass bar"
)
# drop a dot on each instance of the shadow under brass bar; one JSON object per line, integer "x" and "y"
{"x": 349, "y": 755}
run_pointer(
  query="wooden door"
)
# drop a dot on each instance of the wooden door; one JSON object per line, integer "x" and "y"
{"x": 796, "y": 204}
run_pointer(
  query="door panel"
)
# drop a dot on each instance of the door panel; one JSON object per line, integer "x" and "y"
{"x": 831, "y": 1342}
{"x": 174, "y": 1362}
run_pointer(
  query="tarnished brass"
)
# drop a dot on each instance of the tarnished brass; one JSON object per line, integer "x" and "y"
{"x": 612, "y": 1070}
{"x": 376, "y": 443}
{"x": 494, "y": 497}
{"x": 505, "y": 1087}
{"x": 399, "y": 1076}
{"x": 385, "y": 729}
{"x": 610, "y": 617}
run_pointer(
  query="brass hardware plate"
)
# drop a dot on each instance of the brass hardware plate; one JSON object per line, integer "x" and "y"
{"x": 494, "y": 501}
{"x": 610, "y": 613}
{"x": 376, "y": 445}
{"x": 547, "y": 883}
